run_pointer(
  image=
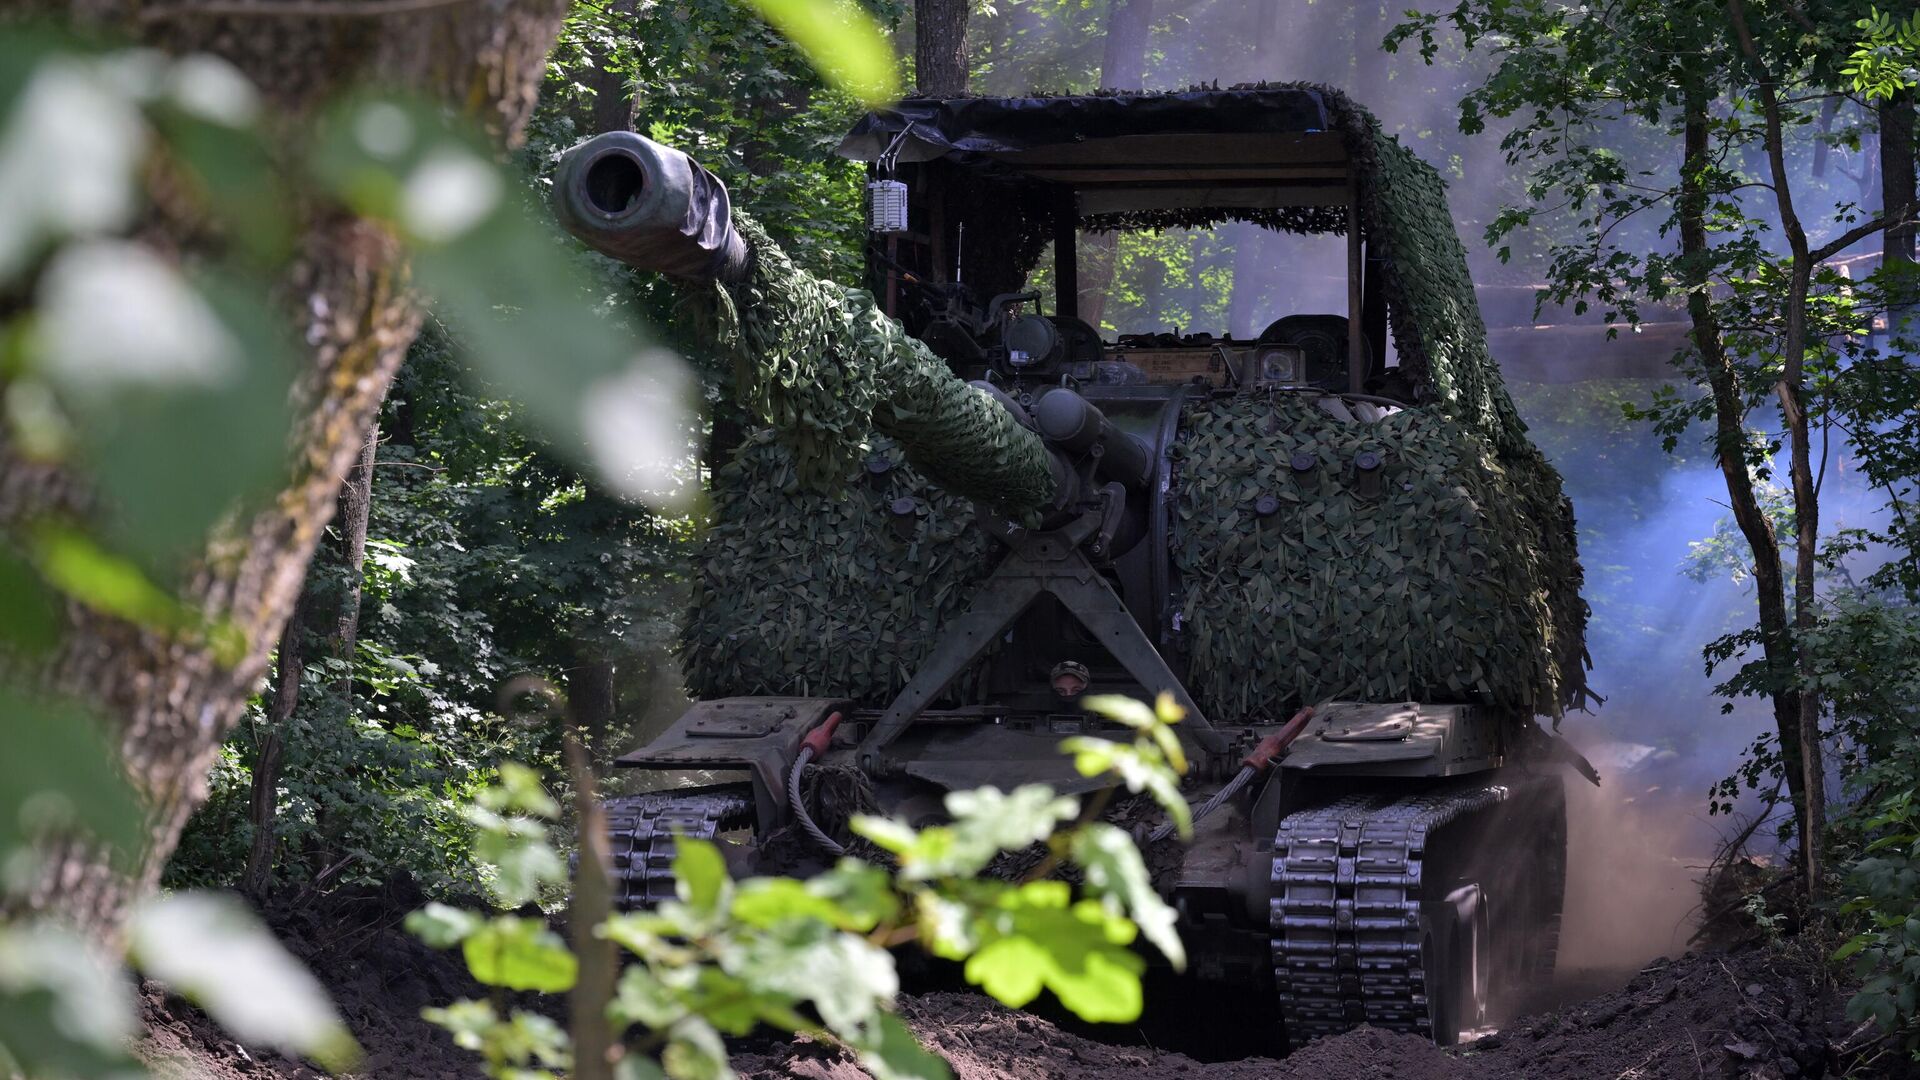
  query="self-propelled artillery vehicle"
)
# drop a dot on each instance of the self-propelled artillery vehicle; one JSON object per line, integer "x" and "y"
{"x": 969, "y": 507}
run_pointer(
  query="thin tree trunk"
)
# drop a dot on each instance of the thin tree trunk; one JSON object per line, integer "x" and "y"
{"x": 593, "y": 1038}
{"x": 263, "y": 809}
{"x": 356, "y": 503}
{"x": 1369, "y": 60}
{"x": 614, "y": 98}
{"x": 940, "y": 47}
{"x": 1897, "y": 191}
{"x": 1123, "y": 56}
{"x": 172, "y": 699}
{"x": 1123, "y": 64}
{"x": 1806, "y": 507}
{"x": 1730, "y": 443}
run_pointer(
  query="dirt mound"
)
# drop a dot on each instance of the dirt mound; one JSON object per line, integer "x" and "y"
{"x": 380, "y": 978}
{"x": 1770, "y": 1012}
{"x": 983, "y": 1041}
{"x": 1765, "y": 1012}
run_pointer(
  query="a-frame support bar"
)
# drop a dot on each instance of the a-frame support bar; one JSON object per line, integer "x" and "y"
{"x": 1048, "y": 563}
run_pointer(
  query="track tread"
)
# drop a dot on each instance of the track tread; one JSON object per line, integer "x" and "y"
{"x": 642, "y": 831}
{"x": 1346, "y": 910}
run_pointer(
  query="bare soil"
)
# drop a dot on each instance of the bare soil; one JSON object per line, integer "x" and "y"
{"x": 1768, "y": 1011}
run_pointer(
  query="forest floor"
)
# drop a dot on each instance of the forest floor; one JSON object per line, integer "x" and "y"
{"x": 1760, "y": 1011}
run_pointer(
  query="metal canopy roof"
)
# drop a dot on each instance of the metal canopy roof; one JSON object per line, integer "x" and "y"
{"x": 1263, "y": 147}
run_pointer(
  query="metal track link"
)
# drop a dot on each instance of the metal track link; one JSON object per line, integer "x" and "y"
{"x": 1345, "y": 912}
{"x": 641, "y": 830}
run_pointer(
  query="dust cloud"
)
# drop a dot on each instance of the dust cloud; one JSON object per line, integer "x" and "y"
{"x": 1633, "y": 874}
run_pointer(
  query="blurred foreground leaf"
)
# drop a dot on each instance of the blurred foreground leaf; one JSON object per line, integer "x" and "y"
{"x": 65, "y": 1010}
{"x": 178, "y": 389}
{"x": 842, "y": 42}
{"x": 58, "y": 771}
{"x": 215, "y": 951}
{"x": 497, "y": 271}
{"x": 520, "y": 954}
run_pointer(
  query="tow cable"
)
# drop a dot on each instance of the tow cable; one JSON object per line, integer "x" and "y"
{"x": 811, "y": 747}
{"x": 1265, "y": 753}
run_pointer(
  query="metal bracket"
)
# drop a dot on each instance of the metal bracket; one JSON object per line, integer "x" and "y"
{"x": 1048, "y": 562}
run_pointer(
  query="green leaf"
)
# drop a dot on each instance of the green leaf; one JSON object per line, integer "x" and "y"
{"x": 215, "y": 951}
{"x": 29, "y": 621}
{"x": 1132, "y": 712}
{"x": 639, "y": 932}
{"x": 641, "y": 998}
{"x": 520, "y": 954}
{"x": 695, "y": 1052}
{"x": 638, "y": 1067}
{"x": 1036, "y": 940}
{"x": 842, "y": 41}
{"x": 847, "y": 978}
{"x": 700, "y": 875}
{"x": 178, "y": 388}
{"x": 59, "y": 771}
{"x": 1115, "y": 869}
{"x": 519, "y": 790}
{"x": 81, "y": 568}
{"x": 889, "y": 1051}
{"x": 441, "y": 926}
{"x": 886, "y": 833}
{"x": 65, "y": 1007}
{"x": 1140, "y": 770}
{"x": 516, "y": 849}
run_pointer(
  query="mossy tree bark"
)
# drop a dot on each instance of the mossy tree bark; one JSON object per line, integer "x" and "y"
{"x": 172, "y": 701}
{"x": 940, "y": 47}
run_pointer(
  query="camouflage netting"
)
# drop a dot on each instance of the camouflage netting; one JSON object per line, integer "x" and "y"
{"x": 808, "y": 591}
{"x": 1426, "y": 590}
{"x": 825, "y": 368}
{"x": 1463, "y": 586}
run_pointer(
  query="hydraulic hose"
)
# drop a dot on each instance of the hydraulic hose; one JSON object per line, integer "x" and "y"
{"x": 812, "y": 747}
{"x": 1264, "y": 754}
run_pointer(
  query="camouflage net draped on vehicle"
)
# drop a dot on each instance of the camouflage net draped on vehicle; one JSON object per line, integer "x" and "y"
{"x": 1427, "y": 589}
{"x": 822, "y": 365}
{"x": 1465, "y": 586}
{"x": 807, "y": 591}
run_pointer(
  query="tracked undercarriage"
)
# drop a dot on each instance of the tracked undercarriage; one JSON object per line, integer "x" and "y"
{"x": 1306, "y": 538}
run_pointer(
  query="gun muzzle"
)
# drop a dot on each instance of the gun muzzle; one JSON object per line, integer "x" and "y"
{"x": 650, "y": 206}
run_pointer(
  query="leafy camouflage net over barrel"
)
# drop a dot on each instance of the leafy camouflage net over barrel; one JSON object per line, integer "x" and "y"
{"x": 807, "y": 591}
{"x": 822, "y": 365}
{"x": 1428, "y": 588}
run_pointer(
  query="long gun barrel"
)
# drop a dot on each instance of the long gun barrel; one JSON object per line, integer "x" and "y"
{"x": 817, "y": 361}
{"x": 650, "y": 206}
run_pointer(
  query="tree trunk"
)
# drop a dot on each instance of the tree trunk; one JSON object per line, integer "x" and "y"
{"x": 1896, "y": 193}
{"x": 1791, "y": 391}
{"x": 614, "y": 98}
{"x": 1123, "y": 63}
{"x": 1369, "y": 60}
{"x": 356, "y": 503}
{"x": 940, "y": 47}
{"x": 1730, "y": 444}
{"x": 171, "y": 699}
{"x": 1123, "y": 59}
{"x": 590, "y": 694}
{"x": 264, "y": 803}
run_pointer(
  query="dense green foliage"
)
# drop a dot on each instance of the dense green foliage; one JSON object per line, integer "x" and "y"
{"x": 165, "y": 390}
{"x": 1592, "y": 99}
{"x": 727, "y": 957}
